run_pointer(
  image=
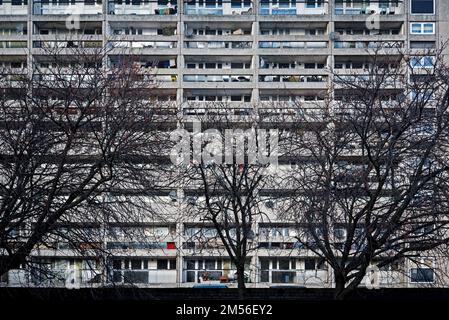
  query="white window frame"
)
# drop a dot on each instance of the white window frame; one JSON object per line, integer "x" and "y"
{"x": 422, "y": 27}
{"x": 424, "y": 14}
{"x": 422, "y": 266}
{"x": 421, "y": 64}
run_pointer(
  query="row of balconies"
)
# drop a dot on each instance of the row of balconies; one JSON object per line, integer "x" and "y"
{"x": 199, "y": 7}
{"x": 18, "y": 30}
{"x": 75, "y": 276}
{"x": 232, "y": 47}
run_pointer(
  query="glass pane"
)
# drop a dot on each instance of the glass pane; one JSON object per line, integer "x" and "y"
{"x": 190, "y": 276}
{"x": 210, "y": 264}
{"x": 265, "y": 264}
{"x": 284, "y": 264}
{"x": 422, "y": 275}
{"x": 423, "y": 6}
{"x": 416, "y": 28}
{"x": 191, "y": 264}
{"x": 283, "y": 277}
{"x": 136, "y": 264}
{"x": 162, "y": 264}
{"x": 264, "y": 276}
{"x": 428, "y": 28}
{"x": 136, "y": 276}
{"x": 309, "y": 264}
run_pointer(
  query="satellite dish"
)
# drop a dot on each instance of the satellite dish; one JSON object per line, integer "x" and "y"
{"x": 191, "y": 200}
{"x": 189, "y": 32}
{"x": 334, "y": 36}
{"x": 269, "y": 204}
{"x": 173, "y": 195}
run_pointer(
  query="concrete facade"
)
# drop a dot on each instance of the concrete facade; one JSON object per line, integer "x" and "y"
{"x": 244, "y": 53}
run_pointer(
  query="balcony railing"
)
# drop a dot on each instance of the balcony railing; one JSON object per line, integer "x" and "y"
{"x": 143, "y": 44}
{"x": 219, "y": 7}
{"x": 368, "y": 44}
{"x": 292, "y": 78}
{"x": 218, "y": 44}
{"x": 216, "y": 78}
{"x": 67, "y": 7}
{"x": 292, "y": 7}
{"x": 144, "y": 276}
{"x": 382, "y": 8}
{"x": 194, "y": 10}
{"x": 277, "y": 11}
{"x": 67, "y": 44}
{"x": 143, "y": 7}
{"x": 16, "y": 8}
{"x": 303, "y": 277}
{"x": 12, "y": 44}
{"x": 292, "y": 44}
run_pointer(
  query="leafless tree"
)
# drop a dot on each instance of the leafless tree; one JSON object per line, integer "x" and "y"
{"x": 76, "y": 136}
{"x": 370, "y": 181}
{"x": 226, "y": 183}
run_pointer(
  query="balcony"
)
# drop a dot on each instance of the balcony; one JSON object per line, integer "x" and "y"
{"x": 226, "y": 111}
{"x": 13, "y": 47}
{"x": 152, "y": 276}
{"x": 143, "y": 44}
{"x": 292, "y": 276}
{"x": 218, "y": 7}
{"x": 217, "y": 78}
{"x": 291, "y": 7}
{"x": 293, "y": 44}
{"x": 12, "y": 7}
{"x": 293, "y": 81}
{"x": 218, "y": 44}
{"x": 364, "y": 45}
{"x": 67, "y": 44}
{"x": 143, "y": 7}
{"x": 67, "y": 7}
{"x": 381, "y": 7}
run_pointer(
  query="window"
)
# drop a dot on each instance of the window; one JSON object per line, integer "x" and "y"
{"x": 422, "y": 28}
{"x": 136, "y": 264}
{"x": 309, "y": 264}
{"x": 422, "y": 62}
{"x": 284, "y": 264}
{"x": 422, "y": 44}
{"x": 117, "y": 264}
{"x": 423, "y": 6}
{"x": 421, "y": 275}
{"x": 162, "y": 264}
{"x": 314, "y": 3}
{"x": 210, "y": 264}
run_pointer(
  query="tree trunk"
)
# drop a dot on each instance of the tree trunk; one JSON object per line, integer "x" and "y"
{"x": 340, "y": 283}
{"x": 241, "y": 281}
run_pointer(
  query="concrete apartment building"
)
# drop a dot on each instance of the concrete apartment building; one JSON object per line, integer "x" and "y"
{"x": 245, "y": 53}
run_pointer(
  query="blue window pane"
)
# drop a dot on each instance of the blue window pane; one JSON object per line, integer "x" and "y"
{"x": 423, "y": 6}
{"x": 236, "y": 4}
{"x": 421, "y": 275}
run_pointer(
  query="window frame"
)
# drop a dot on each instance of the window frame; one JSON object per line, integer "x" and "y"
{"x": 425, "y": 268}
{"x": 422, "y": 28}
